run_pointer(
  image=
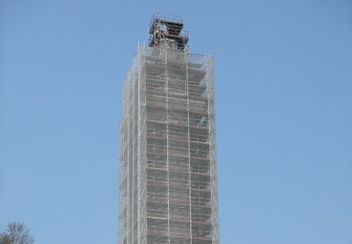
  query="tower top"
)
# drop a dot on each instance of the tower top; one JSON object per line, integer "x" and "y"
{"x": 167, "y": 31}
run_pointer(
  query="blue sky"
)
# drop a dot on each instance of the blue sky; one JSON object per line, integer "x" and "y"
{"x": 283, "y": 76}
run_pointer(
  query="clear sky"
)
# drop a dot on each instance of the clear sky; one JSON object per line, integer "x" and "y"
{"x": 283, "y": 76}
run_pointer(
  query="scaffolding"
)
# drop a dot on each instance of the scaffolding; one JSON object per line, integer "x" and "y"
{"x": 167, "y": 162}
